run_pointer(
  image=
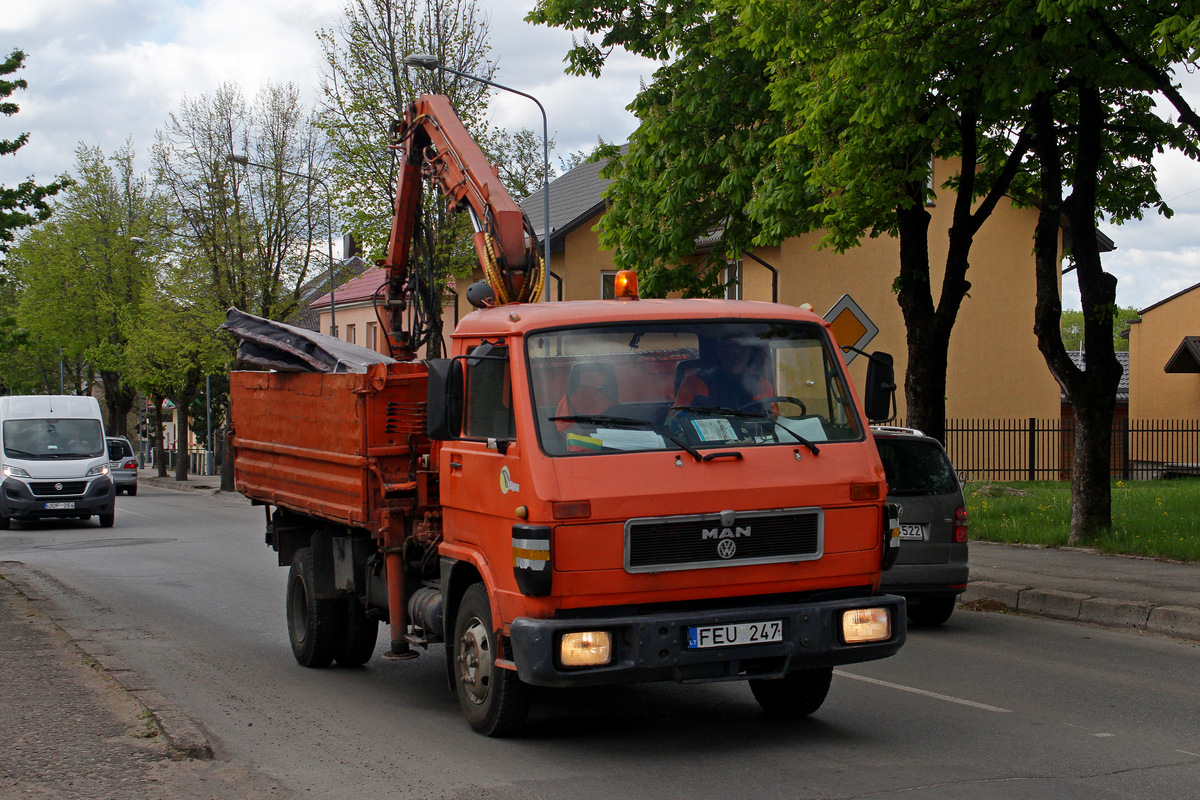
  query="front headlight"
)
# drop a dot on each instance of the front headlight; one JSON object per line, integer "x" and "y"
{"x": 99, "y": 469}
{"x": 14, "y": 472}
{"x": 860, "y": 625}
{"x": 585, "y": 649}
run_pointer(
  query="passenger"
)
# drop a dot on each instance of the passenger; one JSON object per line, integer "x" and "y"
{"x": 591, "y": 389}
{"x": 734, "y": 381}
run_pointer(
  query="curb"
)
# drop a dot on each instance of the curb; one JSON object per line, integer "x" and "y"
{"x": 183, "y": 738}
{"x": 1178, "y": 621}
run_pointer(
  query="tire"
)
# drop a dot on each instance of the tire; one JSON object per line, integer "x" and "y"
{"x": 494, "y": 701}
{"x": 4, "y": 522}
{"x": 358, "y": 639}
{"x": 315, "y": 627}
{"x": 929, "y": 612}
{"x": 795, "y": 695}
{"x": 107, "y": 520}
{"x": 131, "y": 491}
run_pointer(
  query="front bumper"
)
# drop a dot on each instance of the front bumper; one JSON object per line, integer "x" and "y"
{"x": 18, "y": 500}
{"x": 655, "y": 647}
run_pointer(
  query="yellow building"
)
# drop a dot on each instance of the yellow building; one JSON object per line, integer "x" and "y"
{"x": 1164, "y": 359}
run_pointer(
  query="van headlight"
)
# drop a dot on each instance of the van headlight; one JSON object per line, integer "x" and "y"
{"x": 99, "y": 469}
{"x": 14, "y": 472}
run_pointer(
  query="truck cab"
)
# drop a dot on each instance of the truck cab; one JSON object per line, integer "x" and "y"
{"x": 634, "y": 519}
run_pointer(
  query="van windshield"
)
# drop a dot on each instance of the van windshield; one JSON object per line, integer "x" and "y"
{"x": 688, "y": 385}
{"x": 48, "y": 439}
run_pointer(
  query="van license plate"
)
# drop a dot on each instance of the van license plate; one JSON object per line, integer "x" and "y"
{"x": 914, "y": 532}
{"x": 702, "y": 637}
{"x": 59, "y": 506}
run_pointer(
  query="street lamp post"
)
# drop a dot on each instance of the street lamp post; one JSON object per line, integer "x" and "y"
{"x": 431, "y": 62}
{"x": 245, "y": 161}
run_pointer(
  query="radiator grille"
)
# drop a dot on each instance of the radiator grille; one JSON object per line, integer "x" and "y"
{"x": 58, "y": 488}
{"x": 698, "y": 541}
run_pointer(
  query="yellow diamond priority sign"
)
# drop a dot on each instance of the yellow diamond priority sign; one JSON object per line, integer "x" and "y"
{"x": 850, "y": 325}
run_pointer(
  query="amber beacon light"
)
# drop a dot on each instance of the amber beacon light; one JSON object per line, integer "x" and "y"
{"x": 625, "y": 285}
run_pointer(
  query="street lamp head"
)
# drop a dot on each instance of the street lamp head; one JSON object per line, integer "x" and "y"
{"x": 425, "y": 60}
{"x": 137, "y": 240}
{"x": 234, "y": 158}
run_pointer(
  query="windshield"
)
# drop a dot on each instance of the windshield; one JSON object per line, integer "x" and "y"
{"x": 688, "y": 386}
{"x": 46, "y": 439}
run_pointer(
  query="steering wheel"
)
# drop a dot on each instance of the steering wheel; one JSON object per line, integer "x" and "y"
{"x": 766, "y": 403}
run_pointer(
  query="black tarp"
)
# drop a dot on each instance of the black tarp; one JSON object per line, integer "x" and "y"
{"x": 286, "y": 348}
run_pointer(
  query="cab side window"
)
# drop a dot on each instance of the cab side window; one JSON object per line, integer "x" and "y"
{"x": 489, "y": 409}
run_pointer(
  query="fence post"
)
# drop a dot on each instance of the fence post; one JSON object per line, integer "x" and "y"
{"x": 1032, "y": 448}
{"x": 1125, "y": 448}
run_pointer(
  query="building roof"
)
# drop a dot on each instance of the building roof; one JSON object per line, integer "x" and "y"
{"x": 1122, "y": 387}
{"x": 575, "y": 198}
{"x": 1186, "y": 357}
{"x": 317, "y": 288}
{"x": 359, "y": 289}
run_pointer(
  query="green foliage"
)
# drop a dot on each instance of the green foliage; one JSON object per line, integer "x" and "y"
{"x": 80, "y": 279}
{"x": 1072, "y": 328}
{"x": 27, "y": 203}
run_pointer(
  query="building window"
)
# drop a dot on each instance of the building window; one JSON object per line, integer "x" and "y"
{"x": 608, "y": 285}
{"x": 350, "y": 334}
{"x": 371, "y": 326}
{"x": 732, "y": 277}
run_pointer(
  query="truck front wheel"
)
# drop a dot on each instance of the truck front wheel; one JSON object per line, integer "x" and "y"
{"x": 315, "y": 627}
{"x": 795, "y": 695}
{"x": 494, "y": 700}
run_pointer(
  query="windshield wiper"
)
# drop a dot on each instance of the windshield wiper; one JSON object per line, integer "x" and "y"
{"x": 628, "y": 422}
{"x": 737, "y": 412}
{"x": 15, "y": 453}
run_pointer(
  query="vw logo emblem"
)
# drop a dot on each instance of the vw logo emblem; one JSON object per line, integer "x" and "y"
{"x": 58, "y": 487}
{"x": 726, "y": 548}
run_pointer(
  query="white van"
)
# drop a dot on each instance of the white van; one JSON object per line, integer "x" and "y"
{"x": 54, "y": 459}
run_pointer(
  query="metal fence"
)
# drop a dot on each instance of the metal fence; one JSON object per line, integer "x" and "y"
{"x": 1042, "y": 449}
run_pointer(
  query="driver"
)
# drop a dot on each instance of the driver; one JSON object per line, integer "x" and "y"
{"x": 734, "y": 381}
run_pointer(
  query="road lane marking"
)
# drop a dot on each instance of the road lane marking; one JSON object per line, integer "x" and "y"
{"x": 923, "y": 692}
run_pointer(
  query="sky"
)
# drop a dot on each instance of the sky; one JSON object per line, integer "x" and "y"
{"x": 101, "y": 72}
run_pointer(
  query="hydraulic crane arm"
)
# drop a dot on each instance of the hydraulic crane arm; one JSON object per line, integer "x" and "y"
{"x": 436, "y": 147}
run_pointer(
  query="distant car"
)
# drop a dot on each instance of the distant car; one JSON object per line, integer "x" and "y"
{"x": 931, "y": 570}
{"x": 122, "y": 465}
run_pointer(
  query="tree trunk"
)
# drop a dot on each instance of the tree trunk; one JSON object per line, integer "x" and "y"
{"x": 160, "y": 452}
{"x": 1091, "y": 481}
{"x": 181, "y": 434}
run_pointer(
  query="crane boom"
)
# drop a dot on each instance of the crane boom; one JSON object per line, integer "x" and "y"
{"x": 436, "y": 147}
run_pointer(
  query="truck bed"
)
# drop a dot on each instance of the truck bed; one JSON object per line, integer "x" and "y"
{"x": 341, "y": 447}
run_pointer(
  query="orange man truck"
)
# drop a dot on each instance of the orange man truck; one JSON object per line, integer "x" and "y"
{"x": 545, "y": 504}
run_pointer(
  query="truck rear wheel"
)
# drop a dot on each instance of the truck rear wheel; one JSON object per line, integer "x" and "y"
{"x": 494, "y": 700}
{"x": 358, "y": 640}
{"x": 315, "y": 627}
{"x": 795, "y": 695}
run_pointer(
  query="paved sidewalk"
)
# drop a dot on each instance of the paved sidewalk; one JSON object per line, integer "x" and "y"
{"x": 1086, "y": 586}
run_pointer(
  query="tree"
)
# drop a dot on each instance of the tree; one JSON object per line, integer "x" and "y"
{"x": 366, "y": 87}
{"x": 840, "y": 110}
{"x": 1072, "y": 328}
{"x": 80, "y": 279}
{"x": 260, "y": 232}
{"x": 28, "y": 202}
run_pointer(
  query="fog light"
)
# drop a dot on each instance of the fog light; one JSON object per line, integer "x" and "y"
{"x": 586, "y": 649}
{"x": 866, "y": 625}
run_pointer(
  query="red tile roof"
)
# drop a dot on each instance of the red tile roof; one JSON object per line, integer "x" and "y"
{"x": 355, "y": 290}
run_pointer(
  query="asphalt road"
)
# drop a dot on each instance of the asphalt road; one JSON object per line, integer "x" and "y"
{"x": 990, "y": 706}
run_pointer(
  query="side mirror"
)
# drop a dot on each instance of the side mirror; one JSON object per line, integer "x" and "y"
{"x": 444, "y": 399}
{"x": 879, "y": 394}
